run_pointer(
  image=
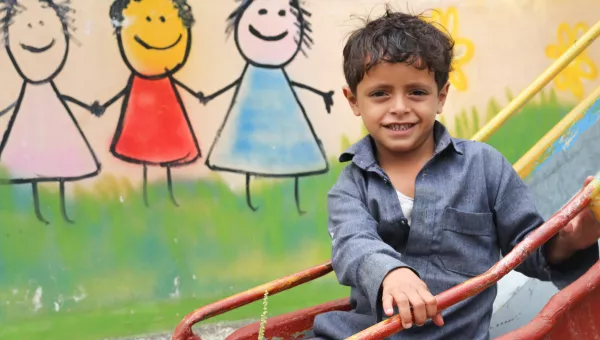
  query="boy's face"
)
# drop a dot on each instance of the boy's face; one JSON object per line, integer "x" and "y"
{"x": 398, "y": 104}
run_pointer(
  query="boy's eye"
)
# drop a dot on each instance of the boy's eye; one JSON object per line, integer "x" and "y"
{"x": 418, "y": 93}
{"x": 377, "y": 94}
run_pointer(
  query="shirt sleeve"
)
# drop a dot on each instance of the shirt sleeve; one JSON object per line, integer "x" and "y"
{"x": 516, "y": 216}
{"x": 360, "y": 258}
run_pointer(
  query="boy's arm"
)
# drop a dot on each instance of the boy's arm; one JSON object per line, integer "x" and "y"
{"x": 360, "y": 257}
{"x": 581, "y": 232}
{"x": 516, "y": 216}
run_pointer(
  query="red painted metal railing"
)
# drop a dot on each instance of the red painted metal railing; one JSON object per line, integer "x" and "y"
{"x": 184, "y": 328}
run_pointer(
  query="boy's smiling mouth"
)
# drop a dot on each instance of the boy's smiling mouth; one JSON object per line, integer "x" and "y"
{"x": 150, "y": 47}
{"x": 34, "y": 49}
{"x": 399, "y": 127}
{"x": 257, "y": 34}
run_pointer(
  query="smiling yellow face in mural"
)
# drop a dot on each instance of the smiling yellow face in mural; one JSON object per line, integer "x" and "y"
{"x": 154, "y": 36}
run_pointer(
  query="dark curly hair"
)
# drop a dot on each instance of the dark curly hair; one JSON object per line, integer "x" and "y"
{"x": 182, "y": 6}
{"x": 10, "y": 8}
{"x": 398, "y": 37}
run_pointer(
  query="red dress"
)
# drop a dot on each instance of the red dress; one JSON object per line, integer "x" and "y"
{"x": 154, "y": 127}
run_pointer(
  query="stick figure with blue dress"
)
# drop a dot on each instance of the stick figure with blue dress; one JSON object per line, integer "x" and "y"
{"x": 266, "y": 132}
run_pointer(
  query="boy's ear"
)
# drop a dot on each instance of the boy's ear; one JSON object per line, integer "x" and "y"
{"x": 442, "y": 97}
{"x": 351, "y": 100}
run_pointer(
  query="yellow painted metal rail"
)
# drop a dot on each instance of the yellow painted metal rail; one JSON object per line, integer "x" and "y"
{"x": 519, "y": 101}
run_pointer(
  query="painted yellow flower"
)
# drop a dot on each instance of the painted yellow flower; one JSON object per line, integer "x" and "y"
{"x": 582, "y": 67}
{"x": 464, "y": 49}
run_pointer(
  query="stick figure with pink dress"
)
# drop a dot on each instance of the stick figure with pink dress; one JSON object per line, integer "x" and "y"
{"x": 43, "y": 141}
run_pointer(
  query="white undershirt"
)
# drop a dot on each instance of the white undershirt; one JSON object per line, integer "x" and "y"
{"x": 406, "y": 203}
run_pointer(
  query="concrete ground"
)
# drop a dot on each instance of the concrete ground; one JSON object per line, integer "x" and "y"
{"x": 209, "y": 331}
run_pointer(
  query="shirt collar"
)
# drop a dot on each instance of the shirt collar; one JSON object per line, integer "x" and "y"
{"x": 362, "y": 153}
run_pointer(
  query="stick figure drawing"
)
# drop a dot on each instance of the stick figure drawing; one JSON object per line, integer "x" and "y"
{"x": 43, "y": 141}
{"x": 154, "y": 38}
{"x": 266, "y": 131}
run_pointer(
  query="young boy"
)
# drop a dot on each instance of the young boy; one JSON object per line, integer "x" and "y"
{"x": 417, "y": 212}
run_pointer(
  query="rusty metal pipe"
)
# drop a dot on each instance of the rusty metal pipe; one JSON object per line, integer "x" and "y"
{"x": 587, "y": 197}
{"x": 184, "y": 328}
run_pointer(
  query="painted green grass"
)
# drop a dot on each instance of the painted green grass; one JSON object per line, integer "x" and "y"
{"x": 124, "y": 269}
{"x": 520, "y": 132}
{"x": 124, "y": 254}
{"x": 143, "y": 317}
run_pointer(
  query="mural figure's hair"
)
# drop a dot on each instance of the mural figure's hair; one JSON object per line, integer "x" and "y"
{"x": 297, "y": 10}
{"x": 398, "y": 37}
{"x": 10, "y": 8}
{"x": 118, "y": 6}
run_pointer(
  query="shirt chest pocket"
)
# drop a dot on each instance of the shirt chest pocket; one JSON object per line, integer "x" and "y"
{"x": 468, "y": 242}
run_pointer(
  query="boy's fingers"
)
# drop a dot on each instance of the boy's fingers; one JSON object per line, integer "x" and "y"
{"x": 430, "y": 302}
{"x": 388, "y": 304}
{"x": 419, "y": 310}
{"x": 438, "y": 320}
{"x": 404, "y": 310}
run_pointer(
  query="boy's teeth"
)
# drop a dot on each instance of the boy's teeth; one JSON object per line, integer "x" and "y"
{"x": 400, "y": 127}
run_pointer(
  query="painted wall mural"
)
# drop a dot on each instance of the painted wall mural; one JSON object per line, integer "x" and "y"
{"x": 157, "y": 155}
{"x": 581, "y": 69}
{"x": 261, "y": 136}
{"x": 37, "y": 40}
{"x": 464, "y": 48}
{"x": 154, "y": 38}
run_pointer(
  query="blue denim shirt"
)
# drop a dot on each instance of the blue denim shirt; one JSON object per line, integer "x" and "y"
{"x": 470, "y": 206}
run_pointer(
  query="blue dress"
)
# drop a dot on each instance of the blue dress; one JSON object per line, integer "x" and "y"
{"x": 266, "y": 131}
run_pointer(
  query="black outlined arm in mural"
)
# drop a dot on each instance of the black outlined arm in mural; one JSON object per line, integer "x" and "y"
{"x": 98, "y": 109}
{"x": 327, "y": 96}
{"x": 76, "y": 102}
{"x": 7, "y": 109}
{"x": 198, "y": 95}
{"x": 206, "y": 99}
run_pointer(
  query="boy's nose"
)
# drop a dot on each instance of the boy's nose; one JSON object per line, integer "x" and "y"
{"x": 399, "y": 105}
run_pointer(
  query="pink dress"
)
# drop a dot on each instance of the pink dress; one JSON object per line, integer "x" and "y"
{"x": 43, "y": 141}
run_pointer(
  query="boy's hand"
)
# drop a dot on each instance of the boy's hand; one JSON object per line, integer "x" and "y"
{"x": 580, "y": 233}
{"x": 403, "y": 288}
